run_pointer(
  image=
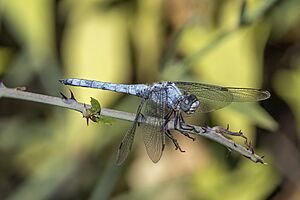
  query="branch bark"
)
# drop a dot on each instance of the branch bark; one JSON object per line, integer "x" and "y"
{"x": 217, "y": 134}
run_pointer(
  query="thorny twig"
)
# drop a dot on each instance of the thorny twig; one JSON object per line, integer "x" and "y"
{"x": 217, "y": 133}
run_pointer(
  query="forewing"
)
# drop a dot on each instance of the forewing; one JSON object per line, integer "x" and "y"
{"x": 214, "y": 97}
{"x": 126, "y": 144}
{"x": 153, "y": 133}
{"x": 248, "y": 94}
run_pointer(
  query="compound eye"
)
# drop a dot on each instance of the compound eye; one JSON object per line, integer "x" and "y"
{"x": 186, "y": 102}
{"x": 185, "y": 105}
{"x": 189, "y": 104}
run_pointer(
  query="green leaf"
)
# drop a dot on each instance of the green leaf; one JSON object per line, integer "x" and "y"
{"x": 96, "y": 108}
{"x": 94, "y": 113}
{"x": 105, "y": 120}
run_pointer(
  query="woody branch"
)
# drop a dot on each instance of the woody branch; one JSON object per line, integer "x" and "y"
{"x": 217, "y": 134}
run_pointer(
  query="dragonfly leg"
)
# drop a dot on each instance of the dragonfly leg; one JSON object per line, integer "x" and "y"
{"x": 167, "y": 117}
{"x": 187, "y": 125}
{"x": 177, "y": 146}
{"x": 180, "y": 125}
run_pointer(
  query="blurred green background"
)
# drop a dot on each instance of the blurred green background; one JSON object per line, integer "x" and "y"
{"x": 49, "y": 153}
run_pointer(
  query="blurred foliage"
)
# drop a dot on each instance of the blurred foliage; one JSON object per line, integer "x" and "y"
{"x": 48, "y": 153}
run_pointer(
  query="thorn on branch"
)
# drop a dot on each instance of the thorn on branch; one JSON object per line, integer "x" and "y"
{"x": 226, "y": 132}
{"x": 260, "y": 161}
{"x": 63, "y": 96}
{"x": 72, "y": 95}
{"x": 249, "y": 146}
{"x": 205, "y": 128}
{"x": 68, "y": 100}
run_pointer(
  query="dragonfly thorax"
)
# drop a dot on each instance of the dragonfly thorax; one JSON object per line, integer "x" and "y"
{"x": 189, "y": 104}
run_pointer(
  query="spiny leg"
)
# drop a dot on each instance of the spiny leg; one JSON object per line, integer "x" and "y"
{"x": 167, "y": 117}
{"x": 177, "y": 146}
{"x": 187, "y": 125}
{"x": 180, "y": 122}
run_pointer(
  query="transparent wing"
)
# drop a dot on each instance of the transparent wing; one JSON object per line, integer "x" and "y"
{"x": 214, "y": 97}
{"x": 126, "y": 144}
{"x": 153, "y": 133}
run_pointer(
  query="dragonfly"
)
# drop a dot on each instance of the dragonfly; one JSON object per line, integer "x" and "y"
{"x": 168, "y": 100}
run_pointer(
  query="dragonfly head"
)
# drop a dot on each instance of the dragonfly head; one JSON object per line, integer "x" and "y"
{"x": 189, "y": 104}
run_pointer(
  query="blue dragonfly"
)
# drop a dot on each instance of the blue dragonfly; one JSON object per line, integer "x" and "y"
{"x": 169, "y": 100}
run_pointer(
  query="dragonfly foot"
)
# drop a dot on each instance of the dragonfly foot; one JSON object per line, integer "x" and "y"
{"x": 182, "y": 125}
{"x": 204, "y": 129}
{"x": 182, "y": 151}
{"x": 177, "y": 146}
{"x": 188, "y": 127}
{"x": 185, "y": 127}
{"x": 187, "y": 135}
